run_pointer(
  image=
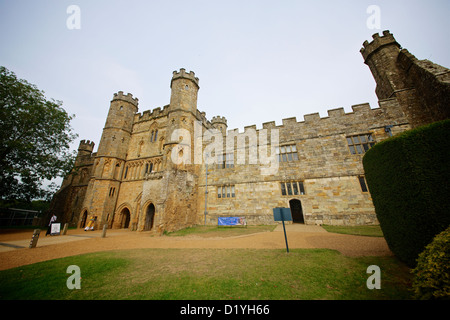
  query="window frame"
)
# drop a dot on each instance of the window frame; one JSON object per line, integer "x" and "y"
{"x": 363, "y": 184}
{"x": 226, "y": 191}
{"x": 292, "y": 188}
{"x": 154, "y": 135}
{"x": 225, "y": 160}
{"x": 360, "y": 143}
{"x": 287, "y": 152}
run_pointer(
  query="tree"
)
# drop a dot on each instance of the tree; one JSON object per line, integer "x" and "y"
{"x": 35, "y": 134}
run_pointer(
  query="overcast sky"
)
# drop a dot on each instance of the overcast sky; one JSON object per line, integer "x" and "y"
{"x": 257, "y": 61}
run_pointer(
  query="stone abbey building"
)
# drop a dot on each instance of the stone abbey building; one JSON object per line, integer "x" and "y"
{"x": 150, "y": 169}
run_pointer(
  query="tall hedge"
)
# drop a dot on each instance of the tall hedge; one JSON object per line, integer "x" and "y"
{"x": 409, "y": 179}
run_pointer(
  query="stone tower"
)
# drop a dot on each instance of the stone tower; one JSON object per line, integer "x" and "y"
{"x": 182, "y": 115}
{"x": 117, "y": 130}
{"x": 184, "y": 91}
{"x": 421, "y": 87}
{"x": 85, "y": 150}
{"x": 381, "y": 56}
{"x": 220, "y": 123}
{"x": 111, "y": 155}
{"x": 180, "y": 180}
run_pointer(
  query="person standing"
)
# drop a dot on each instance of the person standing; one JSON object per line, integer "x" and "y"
{"x": 49, "y": 229}
{"x": 90, "y": 225}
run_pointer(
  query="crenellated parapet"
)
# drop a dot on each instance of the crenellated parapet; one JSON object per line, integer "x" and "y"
{"x": 362, "y": 119}
{"x": 377, "y": 43}
{"x": 152, "y": 114}
{"x": 186, "y": 75}
{"x": 128, "y": 98}
{"x": 86, "y": 145}
{"x": 85, "y": 155}
{"x": 219, "y": 119}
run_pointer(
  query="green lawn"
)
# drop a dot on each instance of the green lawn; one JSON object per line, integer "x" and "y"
{"x": 370, "y": 231}
{"x": 216, "y": 231}
{"x": 164, "y": 274}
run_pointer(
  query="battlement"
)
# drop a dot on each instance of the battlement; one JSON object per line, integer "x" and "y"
{"x": 86, "y": 145}
{"x": 152, "y": 114}
{"x": 362, "y": 118}
{"x": 183, "y": 74}
{"x": 219, "y": 119}
{"x": 158, "y": 112}
{"x": 128, "y": 98}
{"x": 377, "y": 43}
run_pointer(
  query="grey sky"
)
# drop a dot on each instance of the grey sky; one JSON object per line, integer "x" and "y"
{"x": 257, "y": 61}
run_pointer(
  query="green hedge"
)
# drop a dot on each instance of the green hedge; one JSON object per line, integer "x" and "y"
{"x": 432, "y": 274}
{"x": 409, "y": 179}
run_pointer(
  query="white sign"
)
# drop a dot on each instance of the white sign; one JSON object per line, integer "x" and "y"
{"x": 56, "y": 228}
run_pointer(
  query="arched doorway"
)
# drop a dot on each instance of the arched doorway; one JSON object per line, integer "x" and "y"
{"x": 296, "y": 211}
{"x": 149, "y": 217}
{"x": 125, "y": 220}
{"x": 83, "y": 219}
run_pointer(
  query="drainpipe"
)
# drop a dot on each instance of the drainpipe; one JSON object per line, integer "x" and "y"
{"x": 206, "y": 186}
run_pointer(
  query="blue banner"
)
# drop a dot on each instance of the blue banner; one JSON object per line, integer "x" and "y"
{"x": 231, "y": 221}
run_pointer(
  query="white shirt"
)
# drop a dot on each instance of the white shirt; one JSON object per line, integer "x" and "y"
{"x": 52, "y": 219}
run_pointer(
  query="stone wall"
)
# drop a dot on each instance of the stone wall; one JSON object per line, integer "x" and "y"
{"x": 431, "y": 89}
{"x": 326, "y": 167}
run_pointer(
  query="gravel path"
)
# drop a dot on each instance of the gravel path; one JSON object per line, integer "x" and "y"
{"x": 14, "y": 250}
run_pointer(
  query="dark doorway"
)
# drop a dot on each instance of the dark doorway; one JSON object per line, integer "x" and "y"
{"x": 296, "y": 211}
{"x": 83, "y": 219}
{"x": 125, "y": 218}
{"x": 150, "y": 215}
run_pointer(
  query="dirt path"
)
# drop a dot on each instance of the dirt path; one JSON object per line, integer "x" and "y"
{"x": 14, "y": 250}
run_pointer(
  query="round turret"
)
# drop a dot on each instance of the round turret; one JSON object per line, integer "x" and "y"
{"x": 184, "y": 91}
{"x": 117, "y": 131}
{"x": 84, "y": 151}
{"x": 220, "y": 123}
{"x": 381, "y": 56}
{"x": 85, "y": 147}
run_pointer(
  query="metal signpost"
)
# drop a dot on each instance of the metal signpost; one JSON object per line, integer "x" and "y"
{"x": 283, "y": 214}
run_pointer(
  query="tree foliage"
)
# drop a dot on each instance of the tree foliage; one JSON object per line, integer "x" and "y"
{"x": 35, "y": 134}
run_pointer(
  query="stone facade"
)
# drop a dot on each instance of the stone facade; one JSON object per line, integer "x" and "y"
{"x": 150, "y": 170}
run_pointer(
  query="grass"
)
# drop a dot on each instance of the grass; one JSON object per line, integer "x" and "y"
{"x": 370, "y": 231}
{"x": 216, "y": 231}
{"x": 209, "y": 274}
{"x": 213, "y": 274}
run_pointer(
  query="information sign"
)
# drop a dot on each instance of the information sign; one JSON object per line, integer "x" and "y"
{"x": 283, "y": 214}
{"x": 56, "y": 229}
